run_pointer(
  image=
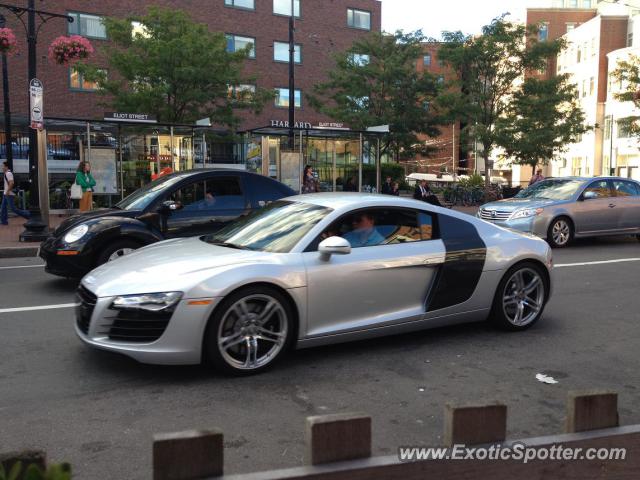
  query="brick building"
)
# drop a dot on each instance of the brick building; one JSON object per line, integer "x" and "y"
{"x": 132, "y": 156}
{"x": 322, "y": 28}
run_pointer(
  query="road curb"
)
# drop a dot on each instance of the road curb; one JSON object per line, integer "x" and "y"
{"x": 17, "y": 252}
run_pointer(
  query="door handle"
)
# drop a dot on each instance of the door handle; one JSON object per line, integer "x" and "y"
{"x": 612, "y": 205}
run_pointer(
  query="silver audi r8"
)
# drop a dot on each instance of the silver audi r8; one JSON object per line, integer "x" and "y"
{"x": 312, "y": 270}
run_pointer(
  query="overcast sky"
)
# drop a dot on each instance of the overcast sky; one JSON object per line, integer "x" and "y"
{"x": 434, "y": 16}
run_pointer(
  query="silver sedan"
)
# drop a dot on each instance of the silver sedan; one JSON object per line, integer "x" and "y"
{"x": 312, "y": 270}
{"x": 561, "y": 209}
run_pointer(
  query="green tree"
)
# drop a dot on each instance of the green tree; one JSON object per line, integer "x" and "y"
{"x": 490, "y": 69}
{"x": 627, "y": 74}
{"x": 172, "y": 67}
{"x": 542, "y": 117}
{"x": 376, "y": 82}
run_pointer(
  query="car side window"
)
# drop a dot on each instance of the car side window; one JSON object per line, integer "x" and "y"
{"x": 265, "y": 191}
{"x": 600, "y": 188}
{"x": 226, "y": 192}
{"x": 625, "y": 189}
{"x": 188, "y": 195}
{"x": 380, "y": 226}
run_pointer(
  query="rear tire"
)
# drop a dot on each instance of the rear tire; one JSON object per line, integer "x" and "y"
{"x": 520, "y": 298}
{"x": 116, "y": 250}
{"x": 560, "y": 232}
{"x": 249, "y": 331}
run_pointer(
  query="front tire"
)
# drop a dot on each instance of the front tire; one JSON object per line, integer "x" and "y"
{"x": 249, "y": 331}
{"x": 520, "y": 298}
{"x": 116, "y": 250}
{"x": 560, "y": 232}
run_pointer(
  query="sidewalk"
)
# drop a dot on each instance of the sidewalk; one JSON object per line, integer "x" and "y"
{"x": 10, "y": 246}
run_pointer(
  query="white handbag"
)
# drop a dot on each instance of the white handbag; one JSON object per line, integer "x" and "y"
{"x": 76, "y": 192}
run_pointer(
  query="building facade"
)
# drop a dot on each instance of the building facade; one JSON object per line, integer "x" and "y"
{"x": 76, "y": 128}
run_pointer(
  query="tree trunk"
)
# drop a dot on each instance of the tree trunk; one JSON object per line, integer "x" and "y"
{"x": 487, "y": 170}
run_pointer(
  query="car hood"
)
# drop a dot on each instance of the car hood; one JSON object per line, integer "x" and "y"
{"x": 512, "y": 204}
{"x": 75, "y": 220}
{"x": 171, "y": 265}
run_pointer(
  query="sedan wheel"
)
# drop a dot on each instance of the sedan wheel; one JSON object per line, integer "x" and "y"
{"x": 121, "y": 252}
{"x": 560, "y": 233}
{"x": 116, "y": 250}
{"x": 520, "y": 298}
{"x": 249, "y": 331}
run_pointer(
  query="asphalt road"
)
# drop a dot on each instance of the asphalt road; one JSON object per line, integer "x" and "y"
{"x": 99, "y": 410}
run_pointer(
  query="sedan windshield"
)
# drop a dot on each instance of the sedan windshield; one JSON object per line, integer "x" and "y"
{"x": 552, "y": 189}
{"x": 276, "y": 228}
{"x": 143, "y": 197}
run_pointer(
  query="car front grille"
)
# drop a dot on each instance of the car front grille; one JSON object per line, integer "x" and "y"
{"x": 137, "y": 326}
{"x": 486, "y": 214}
{"x": 85, "y": 303}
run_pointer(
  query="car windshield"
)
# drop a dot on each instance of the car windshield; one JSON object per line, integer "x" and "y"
{"x": 552, "y": 189}
{"x": 143, "y": 197}
{"x": 278, "y": 227}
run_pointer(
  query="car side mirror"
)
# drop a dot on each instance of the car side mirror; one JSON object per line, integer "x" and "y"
{"x": 334, "y": 246}
{"x": 170, "y": 206}
{"x": 589, "y": 195}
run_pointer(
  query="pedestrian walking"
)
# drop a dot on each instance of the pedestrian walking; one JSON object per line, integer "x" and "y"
{"x": 8, "y": 199}
{"x": 87, "y": 182}
{"x": 538, "y": 177}
{"x": 309, "y": 182}
{"x": 395, "y": 189}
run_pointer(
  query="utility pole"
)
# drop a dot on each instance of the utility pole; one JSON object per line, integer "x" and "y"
{"x": 292, "y": 82}
{"x": 35, "y": 227}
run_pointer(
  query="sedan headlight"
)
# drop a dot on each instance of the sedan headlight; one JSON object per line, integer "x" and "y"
{"x": 150, "y": 302}
{"x": 526, "y": 212}
{"x": 76, "y": 233}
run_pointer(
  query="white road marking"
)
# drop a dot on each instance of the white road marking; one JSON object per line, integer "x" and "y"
{"x": 41, "y": 307}
{"x": 620, "y": 260}
{"x": 22, "y": 266}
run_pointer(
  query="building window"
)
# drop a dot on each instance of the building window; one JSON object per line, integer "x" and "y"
{"x": 359, "y": 19}
{"x": 281, "y": 52}
{"x": 426, "y": 60}
{"x": 623, "y": 130}
{"x": 543, "y": 32}
{"x": 359, "y": 59}
{"x": 607, "y": 128}
{"x": 570, "y": 26}
{"x": 282, "y": 98}
{"x": 557, "y": 4}
{"x": 586, "y": 3}
{"x": 242, "y": 92}
{"x": 283, "y": 7}
{"x": 361, "y": 103}
{"x": 246, "y": 4}
{"x": 593, "y": 47}
{"x": 440, "y": 79}
{"x": 579, "y": 55}
{"x": 630, "y": 39}
{"x": 90, "y": 26}
{"x": 78, "y": 82}
{"x": 592, "y": 86}
{"x": 573, "y": 3}
{"x": 236, "y": 43}
{"x": 584, "y": 88}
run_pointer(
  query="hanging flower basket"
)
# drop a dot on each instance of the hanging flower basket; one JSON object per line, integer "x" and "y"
{"x": 64, "y": 50}
{"x": 8, "y": 43}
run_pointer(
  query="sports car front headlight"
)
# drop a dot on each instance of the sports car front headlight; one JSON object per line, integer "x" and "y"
{"x": 150, "y": 302}
{"x": 526, "y": 212}
{"x": 76, "y": 233}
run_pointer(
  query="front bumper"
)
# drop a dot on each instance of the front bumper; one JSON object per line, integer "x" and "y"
{"x": 536, "y": 225}
{"x": 64, "y": 265}
{"x": 180, "y": 344}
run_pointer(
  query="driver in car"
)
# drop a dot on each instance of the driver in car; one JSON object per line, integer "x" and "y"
{"x": 364, "y": 233}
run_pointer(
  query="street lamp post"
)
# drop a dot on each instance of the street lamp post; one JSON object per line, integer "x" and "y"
{"x": 35, "y": 227}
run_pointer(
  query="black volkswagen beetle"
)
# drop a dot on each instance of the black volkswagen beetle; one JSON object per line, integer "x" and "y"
{"x": 181, "y": 204}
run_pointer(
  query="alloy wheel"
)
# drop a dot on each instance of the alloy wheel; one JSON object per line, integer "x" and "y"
{"x": 523, "y": 297}
{"x": 561, "y": 232}
{"x": 252, "y": 332}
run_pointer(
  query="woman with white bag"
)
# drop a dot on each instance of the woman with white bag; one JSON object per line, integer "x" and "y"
{"x": 82, "y": 189}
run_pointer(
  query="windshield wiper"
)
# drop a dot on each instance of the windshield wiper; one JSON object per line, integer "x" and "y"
{"x": 229, "y": 245}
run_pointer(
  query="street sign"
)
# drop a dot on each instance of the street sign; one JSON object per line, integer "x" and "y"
{"x": 130, "y": 117}
{"x": 35, "y": 96}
